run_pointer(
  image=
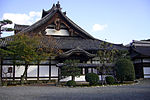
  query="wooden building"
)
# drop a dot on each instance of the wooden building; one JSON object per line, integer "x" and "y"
{"x": 75, "y": 43}
{"x": 140, "y": 54}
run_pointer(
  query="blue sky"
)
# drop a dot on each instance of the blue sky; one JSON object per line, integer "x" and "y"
{"x": 116, "y": 21}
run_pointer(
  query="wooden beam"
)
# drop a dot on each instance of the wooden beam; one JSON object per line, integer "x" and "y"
{"x": 59, "y": 75}
{"x": 13, "y": 72}
{"x": 50, "y": 69}
{"x": 38, "y": 71}
{"x": 1, "y": 66}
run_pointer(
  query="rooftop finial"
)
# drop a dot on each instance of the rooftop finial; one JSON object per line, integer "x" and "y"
{"x": 58, "y": 5}
{"x": 53, "y": 5}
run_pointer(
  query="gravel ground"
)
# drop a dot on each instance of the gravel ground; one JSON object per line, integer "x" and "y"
{"x": 140, "y": 91}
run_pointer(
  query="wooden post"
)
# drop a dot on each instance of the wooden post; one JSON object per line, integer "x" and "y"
{"x": 142, "y": 71}
{"x": 1, "y": 60}
{"x": 50, "y": 69}
{"x": 38, "y": 71}
{"x": 91, "y": 70}
{"x": 13, "y": 72}
{"x": 59, "y": 75}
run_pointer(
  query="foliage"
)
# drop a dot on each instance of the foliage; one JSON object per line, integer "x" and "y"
{"x": 3, "y": 53}
{"x": 92, "y": 78}
{"x": 122, "y": 54}
{"x": 124, "y": 70}
{"x": 23, "y": 48}
{"x": 106, "y": 56}
{"x": 70, "y": 68}
{"x": 3, "y": 23}
{"x": 27, "y": 50}
{"x": 71, "y": 83}
{"x": 6, "y": 21}
{"x": 110, "y": 80}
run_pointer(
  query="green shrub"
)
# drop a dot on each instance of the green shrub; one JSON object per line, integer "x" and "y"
{"x": 125, "y": 70}
{"x": 71, "y": 83}
{"x": 92, "y": 78}
{"x": 110, "y": 80}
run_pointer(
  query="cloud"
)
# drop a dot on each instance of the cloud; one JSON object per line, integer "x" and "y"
{"x": 26, "y": 19}
{"x": 98, "y": 27}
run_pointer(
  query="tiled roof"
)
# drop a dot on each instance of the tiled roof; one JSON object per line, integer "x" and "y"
{"x": 76, "y": 50}
{"x": 85, "y": 65}
{"x": 86, "y": 44}
{"x": 48, "y": 16}
{"x": 68, "y": 43}
{"x": 20, "y": 27}
{"x": 141, "y": 47}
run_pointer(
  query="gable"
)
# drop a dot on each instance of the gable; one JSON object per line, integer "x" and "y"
{"x": 55, "y": 22}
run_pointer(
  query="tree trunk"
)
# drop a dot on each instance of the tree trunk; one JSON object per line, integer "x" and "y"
{"x": 73, "y": 78}
{"x": 1, "y": 72}
{"x": 24, "y": 76}
{"x": 102, "y": 79}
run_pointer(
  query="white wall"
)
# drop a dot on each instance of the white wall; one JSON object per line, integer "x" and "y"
{"x": 81, "y": 78}
{"x": 32, "y": 71}
{"x": 146, "y": 71}
{"x": 44, "y": 71}
{"x": 19, "y": 70}
{"x": 5, "y": 71}
{"x": 54, "y": 71}
{"x": 61, "y": 32}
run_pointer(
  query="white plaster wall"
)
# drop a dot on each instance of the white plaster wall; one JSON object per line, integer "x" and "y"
{"x": 146, "y": 60}
{"x": 32, "y": 71}
{"x": 61, "y": 32}
{"x": 43, "y": 78}
{"x": 100, "y": 78}
{"x": 95, "y": 71}
{"x": 146, "y": 71}
{"x": 5, "y": 70}
{"x": 19, "y": 71}
{"x": 44, "y": 71}
{"x": 54, "y": 71}
{"x": 81, "y": 78}
{"x": 44, "y": 62}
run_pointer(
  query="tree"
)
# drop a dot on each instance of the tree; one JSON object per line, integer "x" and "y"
{"x": 3, "y": 23}
{"x": 92, "y": 78}
{"x": 122, "y": 54}
{"x": 124, "y": 70}
{"x": 27, "y": 50}
{"x": 106, "y": 56}
{"x": 46, "y": 49}
{"x": 70, "y": 68}
{"x": 3, "y": 53}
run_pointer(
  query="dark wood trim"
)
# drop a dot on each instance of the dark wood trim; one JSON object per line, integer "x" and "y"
{"x": 14, "y": 72}
{"x": 1, "y": 66}
{"x": 91, "y": 70}
{"x": 142, "y": 68}
{"x": 30, "y": 64}
{"x": 59, "y": 75}
{"x": 38, "y": 71}
{"x": 27, "y": 77}
{"x": 146, "y": 74}
{"x": 49, "y": 69}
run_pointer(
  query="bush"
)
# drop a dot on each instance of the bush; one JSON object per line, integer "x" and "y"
{"x": 71, "y": 83}
{"x": 110, "y": 80}
{"x": 92, "y": 78}
{"x": 125, "y": 70}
